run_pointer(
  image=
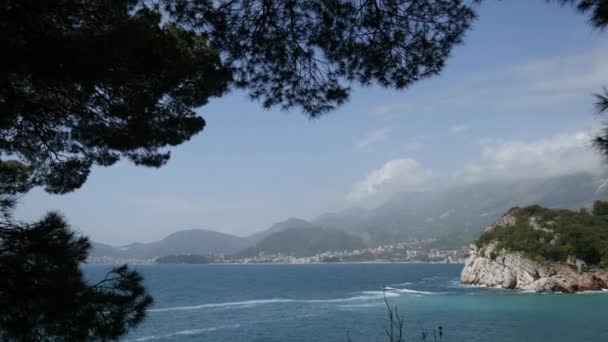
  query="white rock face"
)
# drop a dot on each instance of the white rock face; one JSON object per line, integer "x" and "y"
{"x": 512, "y": 270}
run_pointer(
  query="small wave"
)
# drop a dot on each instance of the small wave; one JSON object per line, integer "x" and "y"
{"x": 307, "y": 315}
{"x": 593, "y": 291}
{"x": 456, "y": 284}
{"x": 479, "y": 286}
{"x": 354, "y": 306}
{"x": 341, "y": 300}
{"x": 227, "y": 304}
{"x": 380, "y": 294}
{"x": 367, "y": 295}
{"x": 186, "y": 332}
{"x": 408, "y": 291}
{"x": 432, "y": 279}
{"x": 402, "y": 284}
{"x": 526, "y": 291}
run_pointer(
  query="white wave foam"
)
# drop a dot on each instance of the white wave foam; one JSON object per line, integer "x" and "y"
{"x": 593, "y": 291}
{"x": 526, "y": 291}
{"x": 402, "y": 284}
{"x": 194, "y": 331}
{"x": 380, "y": 294}
{"x": 432, "y": 279}
{"x": 227, "y": 304}
{"x": 408, "y": 291}
{"x": 368, "y": 295}
{"x": 455, "y": 284}
{"x": 479, "y": 286}
{"x": 186, "y": 332}
{"x": 350, "y": 306}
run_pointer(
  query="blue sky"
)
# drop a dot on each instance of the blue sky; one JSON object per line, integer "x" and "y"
{"x": 513, "y": 102}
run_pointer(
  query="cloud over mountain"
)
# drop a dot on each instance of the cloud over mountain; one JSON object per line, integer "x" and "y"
{"x": 373, "y": 137}
{"x": 558, "y": 155}
{"x": 554, "y": 156}
{"x": 394, "y": 175}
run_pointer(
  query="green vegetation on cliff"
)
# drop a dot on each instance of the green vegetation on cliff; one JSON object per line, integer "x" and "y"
{"x": 555, "y": 234}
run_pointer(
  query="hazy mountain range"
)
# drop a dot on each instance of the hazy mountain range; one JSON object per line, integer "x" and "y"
{"x": 196, "y": 241}
{"x": 299, "y": 241}
{"x": 454, "y": 216}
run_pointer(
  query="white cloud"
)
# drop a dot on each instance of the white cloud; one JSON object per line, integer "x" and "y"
{"x": 414, "y": 143}
{"x": 459, "y": 128}
{"x": 382, "y": 109}
{"x": 395, "y": 175}
{"x": 544, "y": 83}
{"x": 499, "y": 160}
{"x": 582, "y": 72}
{"x": 554, "y": 156}
{"x": 373, "y": 137}
{"x": 445, "y": 215}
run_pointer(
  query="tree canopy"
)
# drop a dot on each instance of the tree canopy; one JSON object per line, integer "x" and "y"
{"x": 563, "y": 233}
{"x": 596, "y": 9}
{"x": 306, "y": 52}
{"x": 43, "y": 294}
{"x": 598, "y": 18}
{"x": 88, "y": 82}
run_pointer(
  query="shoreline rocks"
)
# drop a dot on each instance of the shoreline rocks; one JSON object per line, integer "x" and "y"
{"x": 512, "y": 270}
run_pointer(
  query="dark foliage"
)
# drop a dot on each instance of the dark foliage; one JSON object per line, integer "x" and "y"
{"x": 86, "y": 83}
{"x": 394, "y": 332}
{"x": 597, "y": 10}
{"x": 43, "y": 295}
{"x": 598, "y": 18}
{"x": 600, "y": 142}
{"x": 578, "y": 233}
{"x": 601, "y": 104}
{"x": 396, "y": 326}
{"x": 306, "y": 52}
{"x": 600, "y": 208}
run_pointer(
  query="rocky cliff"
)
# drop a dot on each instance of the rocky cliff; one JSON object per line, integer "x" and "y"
{"x": 491, "y": 264}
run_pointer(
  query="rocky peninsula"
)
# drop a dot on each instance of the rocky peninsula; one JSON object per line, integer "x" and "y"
{"x": 542, "y": 250}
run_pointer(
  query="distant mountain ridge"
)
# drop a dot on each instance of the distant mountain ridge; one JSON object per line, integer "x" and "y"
{"x": 304, "y": 241}
{"x": 454, "y": 217}
{"x": 195, "y": 241}
{"x": 290, "y": 223}
{"x": 462, "y": 211}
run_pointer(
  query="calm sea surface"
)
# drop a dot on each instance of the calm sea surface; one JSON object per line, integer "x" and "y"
{"x": 323, "y": 302}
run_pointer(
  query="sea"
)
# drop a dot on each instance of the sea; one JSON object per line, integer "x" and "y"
{"x": 342, "y": 302}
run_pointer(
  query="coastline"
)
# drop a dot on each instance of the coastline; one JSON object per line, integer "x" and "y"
{"x": 286, "y": 263}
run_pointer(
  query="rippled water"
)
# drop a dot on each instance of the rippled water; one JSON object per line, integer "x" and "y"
{"x": 324, "y": 302}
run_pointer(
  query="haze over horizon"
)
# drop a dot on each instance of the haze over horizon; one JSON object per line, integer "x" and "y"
{"x": 506, "y": 106}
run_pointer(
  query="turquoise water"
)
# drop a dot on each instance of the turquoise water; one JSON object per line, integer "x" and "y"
{"x": 324, "y": 302}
